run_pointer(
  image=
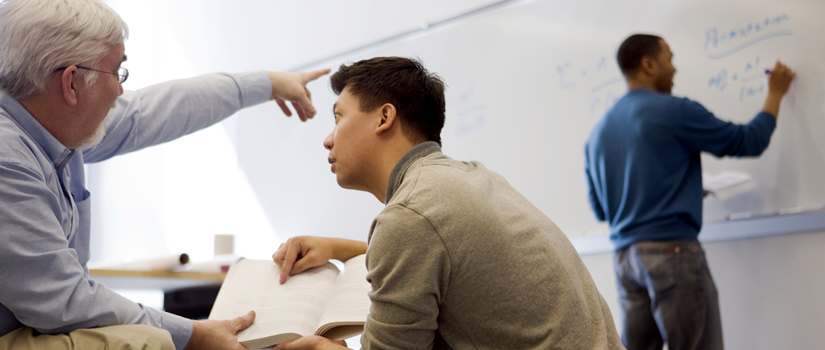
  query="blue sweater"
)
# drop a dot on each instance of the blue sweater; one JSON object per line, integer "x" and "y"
{"x": 643, "y": 169}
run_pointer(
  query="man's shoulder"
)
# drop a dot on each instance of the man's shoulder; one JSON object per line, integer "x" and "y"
{"x": 16, "y": 147}
{"x": 650, "y": 107}
{"x": 437, "y": 165}
{"x": 12, "y": 137}
{"x": 437, "y": 188}
{"x": 635, "y": 99}
{"x": 434, "y": 178}
{"x": 436, "y": 174}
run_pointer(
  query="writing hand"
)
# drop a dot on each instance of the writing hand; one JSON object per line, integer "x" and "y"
{"x": 778, "y": 84}
{"x": 781, "y": 78}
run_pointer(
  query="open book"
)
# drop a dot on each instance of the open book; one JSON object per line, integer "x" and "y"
{"x": 727, "y": 184}
{"x": 322, "y": 301}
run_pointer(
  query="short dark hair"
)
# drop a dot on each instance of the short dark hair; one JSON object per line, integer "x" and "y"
{"x": 634, "y": 48}
{"x": 418, "y": 95}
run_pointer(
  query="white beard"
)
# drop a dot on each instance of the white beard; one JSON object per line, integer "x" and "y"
{"x": 95, "y": 138}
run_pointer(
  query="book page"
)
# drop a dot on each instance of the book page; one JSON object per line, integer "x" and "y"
{"x": 722, "y": 180}
{"x": 283, "y": 312}
{"x": 349, "y": 303}
{"x": 727, "y": 184}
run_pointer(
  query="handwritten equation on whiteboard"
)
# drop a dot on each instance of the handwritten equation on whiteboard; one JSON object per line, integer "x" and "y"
{"x": 599, "y": 79}
{"x": 746, "y": 78}
{"x": 726, "y": 41}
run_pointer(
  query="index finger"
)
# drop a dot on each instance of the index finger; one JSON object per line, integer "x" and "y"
{"x": 310, "y": 76}
{"x": 290, "y": 256}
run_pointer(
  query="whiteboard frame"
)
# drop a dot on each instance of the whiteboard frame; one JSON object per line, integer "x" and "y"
{"x": 763, "y": 226}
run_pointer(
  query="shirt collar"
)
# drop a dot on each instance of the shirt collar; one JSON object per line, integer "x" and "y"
{"x": 55, "y": 150}
{"x": 420, "y": 150}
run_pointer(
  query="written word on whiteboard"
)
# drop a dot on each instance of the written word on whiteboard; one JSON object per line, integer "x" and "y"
{"x": 721, "y": 43}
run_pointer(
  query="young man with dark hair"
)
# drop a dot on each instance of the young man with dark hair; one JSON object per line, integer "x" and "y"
{"x": 403, "y": 83}
{"x": 458, "y": 259}
{"x": 645, "y": 178}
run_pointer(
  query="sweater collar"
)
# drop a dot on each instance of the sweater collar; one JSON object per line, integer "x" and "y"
{"x": 420, "y": 150}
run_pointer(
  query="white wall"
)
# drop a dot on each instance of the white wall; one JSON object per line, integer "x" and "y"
{"x": 770, "y": 290}
{"x": 174, "y": 197}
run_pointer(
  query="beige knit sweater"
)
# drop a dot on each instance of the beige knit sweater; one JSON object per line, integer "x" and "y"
{"x": 459, "y": 259}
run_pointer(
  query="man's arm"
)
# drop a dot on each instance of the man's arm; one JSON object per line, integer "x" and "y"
{"x": 778, "y": 84}
{"x": 166, "y": 111}
{"x": 700, "y": 130}
{"x": 44, "y": 284}
{"x": 301, "y": 253}
{"x": 46, "y": 288}
{"x": 409, "y": 270}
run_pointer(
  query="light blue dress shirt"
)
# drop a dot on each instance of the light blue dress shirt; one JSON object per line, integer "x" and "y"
{"x": 45, "y": 207}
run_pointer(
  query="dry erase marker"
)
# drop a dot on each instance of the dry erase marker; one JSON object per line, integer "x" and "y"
{"x": 767, "y": 71}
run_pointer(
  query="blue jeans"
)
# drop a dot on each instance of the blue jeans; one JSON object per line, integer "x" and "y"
{"x": 667, "y": 295}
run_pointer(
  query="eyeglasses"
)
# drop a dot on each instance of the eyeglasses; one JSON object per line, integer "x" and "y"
{"x": 122, "y": 73}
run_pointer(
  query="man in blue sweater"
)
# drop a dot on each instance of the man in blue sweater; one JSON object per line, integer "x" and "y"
{"x": 645, "y": 179}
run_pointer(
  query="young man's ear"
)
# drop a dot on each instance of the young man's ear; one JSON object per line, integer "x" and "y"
{"x": 388, "y": 114}
{"x": 68, "y": 86}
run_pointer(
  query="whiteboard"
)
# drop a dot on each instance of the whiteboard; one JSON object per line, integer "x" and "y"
{"x": 527, "y": 81}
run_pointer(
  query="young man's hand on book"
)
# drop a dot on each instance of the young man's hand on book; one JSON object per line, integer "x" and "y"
{"x": 328, "y": 300}
{"x": 301, "y": 253}
{"x": 312, "y": 342}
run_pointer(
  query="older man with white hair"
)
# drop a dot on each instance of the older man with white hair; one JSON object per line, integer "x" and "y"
{"x": 60, "y": 78}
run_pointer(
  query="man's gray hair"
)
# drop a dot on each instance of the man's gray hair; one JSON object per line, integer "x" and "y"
{"x": 39, "y": 36}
